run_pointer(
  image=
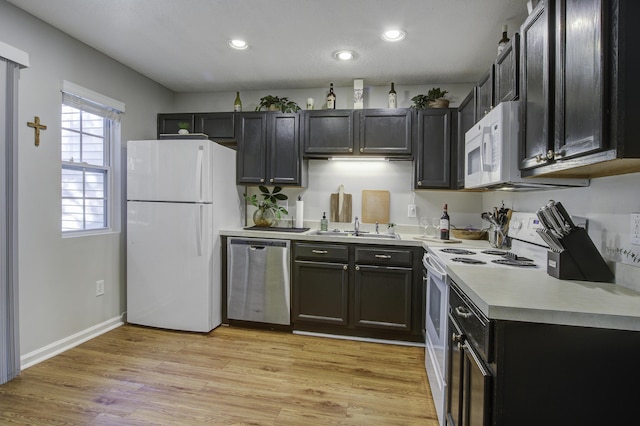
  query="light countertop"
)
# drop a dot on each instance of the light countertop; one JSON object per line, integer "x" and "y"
{"x": 534, "y": 296}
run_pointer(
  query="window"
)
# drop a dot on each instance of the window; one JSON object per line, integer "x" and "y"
{"x": 90, "y": 131}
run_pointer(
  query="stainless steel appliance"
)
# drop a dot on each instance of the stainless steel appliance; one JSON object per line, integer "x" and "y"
{"x": 258, "y": 282}
{"x": 491, "y": 154}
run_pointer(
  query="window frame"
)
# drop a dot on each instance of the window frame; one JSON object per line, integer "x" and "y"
{"x": 111, "y": 147}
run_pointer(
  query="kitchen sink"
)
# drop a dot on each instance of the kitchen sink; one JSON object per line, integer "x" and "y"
{"x": 337, "y": 233}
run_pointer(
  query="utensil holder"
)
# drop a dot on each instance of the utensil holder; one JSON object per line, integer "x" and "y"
{"x": 579, "y": 261}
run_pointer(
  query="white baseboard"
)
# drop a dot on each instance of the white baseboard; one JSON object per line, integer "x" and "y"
{"x": 55, "y": 348}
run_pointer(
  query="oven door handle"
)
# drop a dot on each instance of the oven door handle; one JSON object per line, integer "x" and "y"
{"x": 433, "y": 268}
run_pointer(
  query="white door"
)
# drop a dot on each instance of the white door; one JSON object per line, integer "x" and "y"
{"x": 169, "y": 265}
{"x": 169, "y": 170}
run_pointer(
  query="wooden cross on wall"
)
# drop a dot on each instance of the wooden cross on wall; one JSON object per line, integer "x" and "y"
{"x": 37, "y": 126}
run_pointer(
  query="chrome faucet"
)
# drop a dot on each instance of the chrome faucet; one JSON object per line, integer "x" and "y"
{"x": 356, "y": 226}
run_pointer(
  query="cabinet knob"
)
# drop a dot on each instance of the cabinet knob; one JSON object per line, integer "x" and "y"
{"x": 261, "y": 179}
{"x": 550, "y": 154}
{"x": 361, "y": 149}
{"x": 345, "y": 267}
{"x": 457, "y": 338}
{"x": 558, "y": 155}
{"x": 357, "y": 268}
{"x": 350, "y": 149}
{"x": 539, "y": 158}
{"x": 271, "y": 180}
{"x": 419, "y": 182}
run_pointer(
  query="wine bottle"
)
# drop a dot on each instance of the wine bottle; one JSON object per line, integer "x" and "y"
{"x": 504, "y": 40}
{"x": 444, "y": 224}
{"x": 393, "y": 98}
{"x": 331, "y": 98}
{"x": 237, "y": 104}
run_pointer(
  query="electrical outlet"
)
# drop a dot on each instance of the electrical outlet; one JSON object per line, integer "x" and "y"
{"x": 99, "y": 288}
{"x": 635, "y": 229}
{"x": 411, "y": 212}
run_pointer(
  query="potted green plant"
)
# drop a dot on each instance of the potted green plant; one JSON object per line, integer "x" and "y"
{"x": 433, "y": 99}
{"x": 183, "y": 128}
{"x": 268, "y": 212}
{"x": 275, "y": 103}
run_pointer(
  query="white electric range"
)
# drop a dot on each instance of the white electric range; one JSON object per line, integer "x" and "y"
{"x": 528, "y": 250}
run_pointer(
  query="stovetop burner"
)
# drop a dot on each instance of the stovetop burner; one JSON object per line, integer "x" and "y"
{"x": 513, "y": 256}
{"x": 513, "y": 262}
{"x": 457, "y": 251}
{"x": 468, "y": 260}
{"x": 494, "y": 252}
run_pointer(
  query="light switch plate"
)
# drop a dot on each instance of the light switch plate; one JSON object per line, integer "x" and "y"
{"x": 635, "y": 229}
{"x": 411, "y": 211}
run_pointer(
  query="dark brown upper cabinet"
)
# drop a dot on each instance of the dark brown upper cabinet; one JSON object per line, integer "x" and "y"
{"x": 587, "y": 127}
{"x": 269, "y": 149}
{"x": 485, "y": 93}
{"x": 506, "y": 71}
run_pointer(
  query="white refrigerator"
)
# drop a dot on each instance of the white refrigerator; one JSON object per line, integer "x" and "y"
{"x": 180, "y": 193}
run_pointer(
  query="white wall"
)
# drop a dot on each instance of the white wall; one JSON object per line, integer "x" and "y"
{"x": 57, "y": 276}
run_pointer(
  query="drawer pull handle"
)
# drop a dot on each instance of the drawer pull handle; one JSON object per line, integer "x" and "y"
{"x": 462, "y": 312}
{"x": 319, "y": 251}
{"x": 357, "y": 267}
{"x": 382, "y": 256}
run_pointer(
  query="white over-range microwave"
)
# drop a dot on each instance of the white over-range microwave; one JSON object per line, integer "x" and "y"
{"x": 491, "y": 154}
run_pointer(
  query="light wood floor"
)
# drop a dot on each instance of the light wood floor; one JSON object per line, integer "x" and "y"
{"x": 231, "y": 376}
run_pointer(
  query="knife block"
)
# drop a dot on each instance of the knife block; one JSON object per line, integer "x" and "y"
{"x": 579, "y": 261}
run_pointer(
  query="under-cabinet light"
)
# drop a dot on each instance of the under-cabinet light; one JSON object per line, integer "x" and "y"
{"x": 358, "y": 159}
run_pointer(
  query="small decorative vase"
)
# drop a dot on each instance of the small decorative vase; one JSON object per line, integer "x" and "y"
{"x": 183, "y": 132}
{"x": 439, "y": 103}
{"x": 274, "y": 107}
{"x": 264, "y": 217}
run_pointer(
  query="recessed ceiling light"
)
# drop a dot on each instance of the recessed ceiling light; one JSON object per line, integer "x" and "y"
{"x": 238, "y": 44}
{"x": 345, "y": 55}
{"x": 394, "y": 35}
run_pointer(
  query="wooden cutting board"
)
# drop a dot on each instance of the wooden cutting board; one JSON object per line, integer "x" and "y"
{"x": 375, "y": 206}
{"x": 340, "y": 216}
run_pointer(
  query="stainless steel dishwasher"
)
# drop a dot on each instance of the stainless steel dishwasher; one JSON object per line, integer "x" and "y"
{"x": 258, "y": 283}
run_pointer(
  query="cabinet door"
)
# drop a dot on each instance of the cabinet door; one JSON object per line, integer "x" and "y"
{"x": 455, "y": 369}
{"x": 579, "y": 77}
{"x": 535, "y": 87}
{"x": 466, "y": 120}
{"x": 383, "y": 297}
{"x": 485, "y": 94}
{"x": 477, "y": 389}
{"x": 219, "y": 126}
{"x": 168, "y": 123}
{"x": 284, "y": 149}
{"x": 433, "y": 160}
{"x": 329, "y": 132}
{"x": 506, "y": 71}
{"x": 320, "y": 292}
{"x": 252, "y": 148}
{"x": 385, "y": 132}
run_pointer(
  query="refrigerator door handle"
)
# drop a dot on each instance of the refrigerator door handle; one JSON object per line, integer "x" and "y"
{"x": 200, "y": 227}
{"x": 199, "y": 171}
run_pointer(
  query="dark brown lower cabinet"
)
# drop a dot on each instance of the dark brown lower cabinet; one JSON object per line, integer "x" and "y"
{"x": 358, "y": 290}
{"x": 532, "y": 374}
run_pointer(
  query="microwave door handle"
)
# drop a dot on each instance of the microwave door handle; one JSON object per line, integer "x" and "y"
{"x": 486, "y": 130}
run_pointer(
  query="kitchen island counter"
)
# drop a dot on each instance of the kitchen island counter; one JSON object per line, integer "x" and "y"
{"x": 534, "y": 296}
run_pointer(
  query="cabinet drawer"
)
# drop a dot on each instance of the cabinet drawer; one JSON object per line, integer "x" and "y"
{"x": 322, "y": 252}
{"x": 383, "y": 256}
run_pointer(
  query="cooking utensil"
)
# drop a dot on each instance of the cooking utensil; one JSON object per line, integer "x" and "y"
{"x": 553, "y": 243}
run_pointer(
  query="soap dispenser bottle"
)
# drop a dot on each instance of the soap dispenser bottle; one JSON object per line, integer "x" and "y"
{"x": 324, "y": 223}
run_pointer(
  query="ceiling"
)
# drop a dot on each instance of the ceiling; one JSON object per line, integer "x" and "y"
{"x": 182, "y": 44}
